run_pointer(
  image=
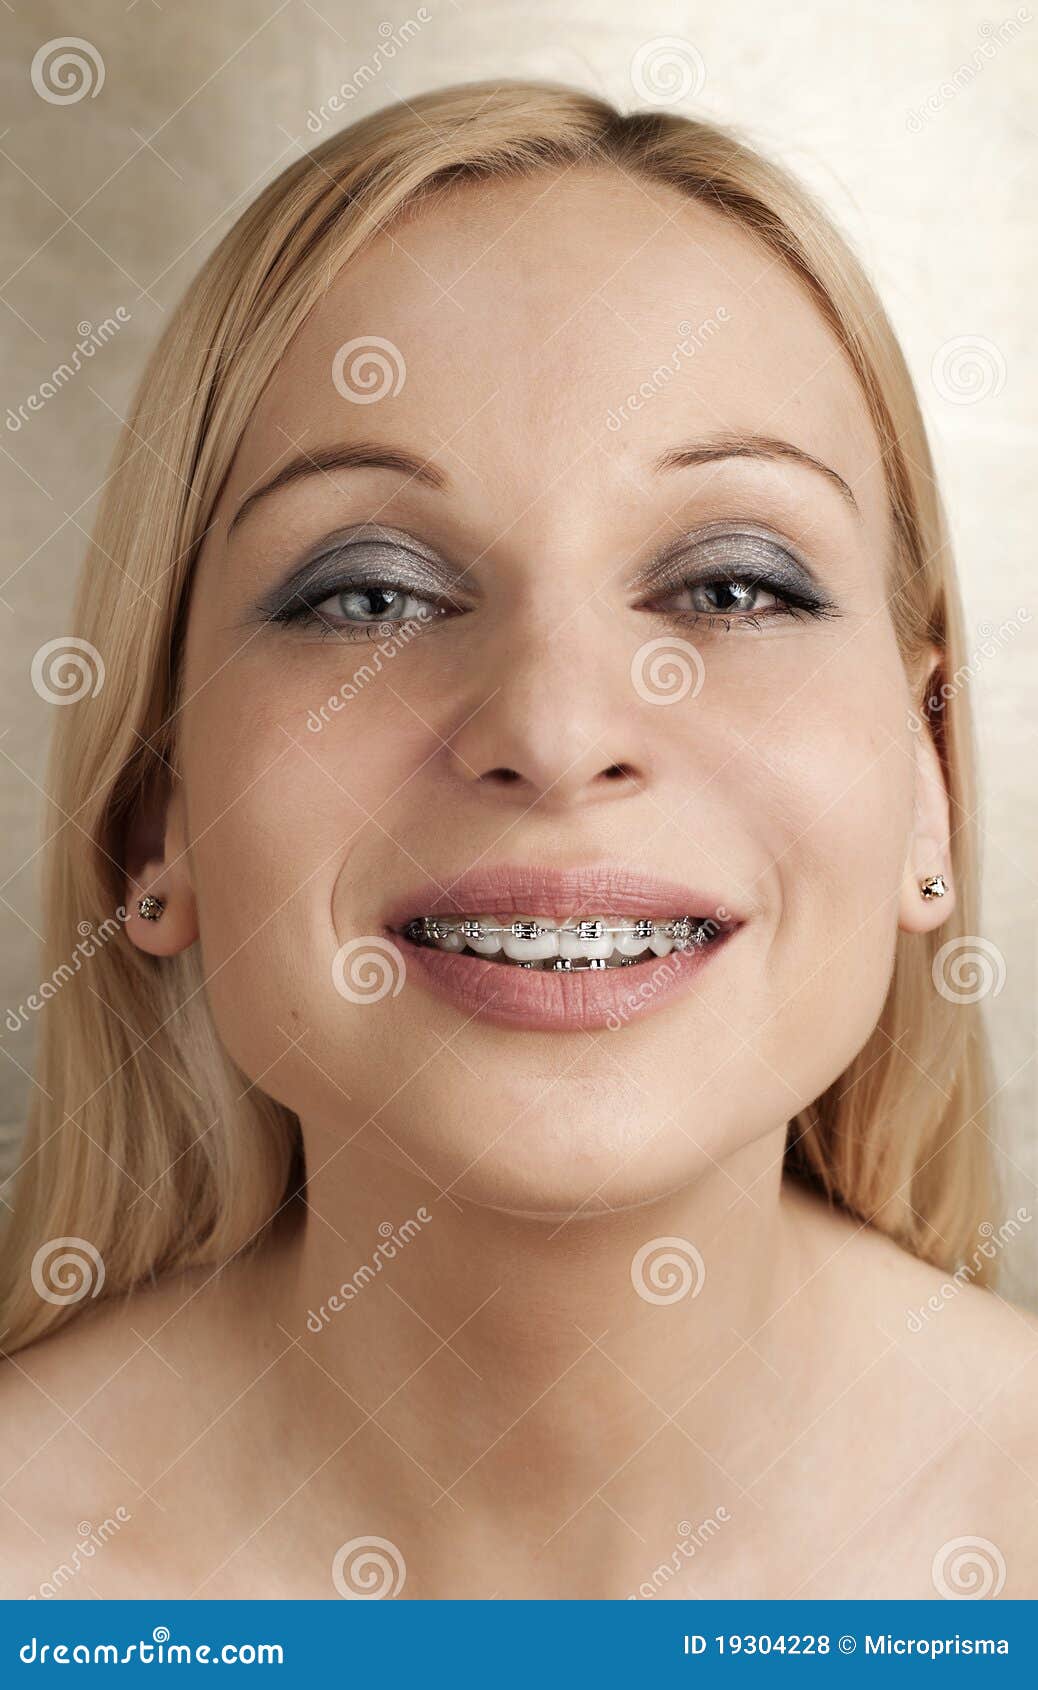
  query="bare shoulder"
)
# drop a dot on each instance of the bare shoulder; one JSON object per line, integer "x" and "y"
{"x": 978, "y": 1342}
{"x": 951, "y": 1359}
{"x": 83, "y": 1414}
{"x": 77, "y": 1356}
{"x": 959, "y": 1312}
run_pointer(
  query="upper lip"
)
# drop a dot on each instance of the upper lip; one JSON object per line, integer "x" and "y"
{"x": 528, "y": 889}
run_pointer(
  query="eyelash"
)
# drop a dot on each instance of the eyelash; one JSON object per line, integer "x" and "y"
{"x": 301, "y": 612}
{"x": 791, "y": 603}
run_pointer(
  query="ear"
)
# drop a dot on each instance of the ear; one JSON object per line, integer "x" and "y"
{"x": 929, "y": 848}
{"x": 158, "y": 865}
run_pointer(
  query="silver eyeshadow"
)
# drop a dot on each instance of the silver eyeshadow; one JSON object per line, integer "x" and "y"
{"x": 365, "y": 556}
{"x": 370, "y": 555}
{"x": 733, "y": 549}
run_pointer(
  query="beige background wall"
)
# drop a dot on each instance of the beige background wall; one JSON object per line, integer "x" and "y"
{"x": 914, "y": 121}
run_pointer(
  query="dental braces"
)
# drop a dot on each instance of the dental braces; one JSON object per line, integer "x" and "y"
{"x": 684, "y": 930}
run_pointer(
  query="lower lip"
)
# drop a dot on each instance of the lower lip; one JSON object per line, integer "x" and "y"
{"x": 542, "y": 1001}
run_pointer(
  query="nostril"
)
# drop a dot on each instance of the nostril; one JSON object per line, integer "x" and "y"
{"x": 502, "y": 776}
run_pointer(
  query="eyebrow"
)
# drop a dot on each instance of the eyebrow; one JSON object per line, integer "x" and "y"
{"x": 324, "y": 459}
{"x": 750, "y": 446}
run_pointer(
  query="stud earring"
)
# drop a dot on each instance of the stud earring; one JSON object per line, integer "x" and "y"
{"x": 934, "y": 886}
{"x": 150, "y": 908}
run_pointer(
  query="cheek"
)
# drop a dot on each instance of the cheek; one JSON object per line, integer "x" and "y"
{"x": 832, "y": 775}
{"x": 283, "y": 814}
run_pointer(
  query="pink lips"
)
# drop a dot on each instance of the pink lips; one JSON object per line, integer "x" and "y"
{"x": 559, "y": 1002}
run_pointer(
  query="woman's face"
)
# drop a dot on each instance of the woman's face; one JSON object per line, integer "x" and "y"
{"x": 619, "y": 630}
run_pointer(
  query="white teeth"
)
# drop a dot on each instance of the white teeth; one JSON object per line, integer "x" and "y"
{"x": 489, "y": 944}
{"x": 572, "y": 945}
{"x": 523, "y": 949}
{"x": 625, "y": 943}
{"x": 580, "y": 942}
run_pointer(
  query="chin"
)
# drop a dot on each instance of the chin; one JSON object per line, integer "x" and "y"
{"x": 560, "y": 1154}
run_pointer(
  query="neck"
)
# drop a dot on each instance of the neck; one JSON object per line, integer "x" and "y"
{"x": 486, "y": 1347}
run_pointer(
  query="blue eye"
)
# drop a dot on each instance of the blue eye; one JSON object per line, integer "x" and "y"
{"x": 725, "y": 597}
{"x": 367, "y": 605}
{"x": 732, "y": 578}
{"x": 731, "y": 599}
{"x": 360, "y": 587}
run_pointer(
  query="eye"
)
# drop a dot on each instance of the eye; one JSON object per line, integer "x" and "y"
{"x": 733, "y": 579}
{"x": 725, "y": 598}
{"x": 385, "y": 602}
{"x": 362, "y": 585}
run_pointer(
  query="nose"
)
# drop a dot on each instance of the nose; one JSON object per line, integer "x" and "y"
{"x": 557, "y": 725}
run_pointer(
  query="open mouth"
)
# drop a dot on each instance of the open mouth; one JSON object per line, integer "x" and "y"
{"x": 563, "y": 947}
{"x": 531, "y": 946}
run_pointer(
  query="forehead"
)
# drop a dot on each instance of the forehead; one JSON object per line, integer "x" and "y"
{"x": 519, "y": 327}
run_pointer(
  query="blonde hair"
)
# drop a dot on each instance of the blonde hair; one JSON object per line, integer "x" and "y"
{"x": 145, "y": 1139}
